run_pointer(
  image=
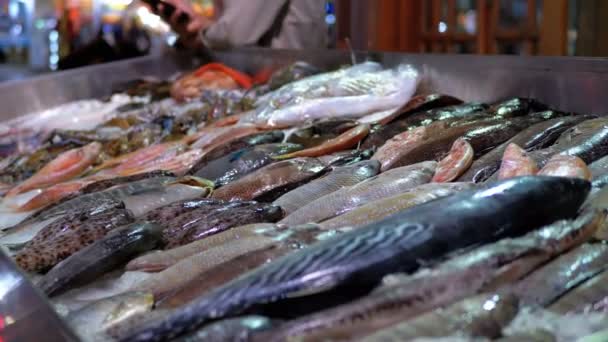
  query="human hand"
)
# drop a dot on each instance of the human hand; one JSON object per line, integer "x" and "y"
{"x": 183, "y": 20}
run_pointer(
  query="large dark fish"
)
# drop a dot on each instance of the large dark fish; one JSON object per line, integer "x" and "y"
{"x": 271, "y": 181}
{"x": 562, "y": 274}
{"x": 398, "y": 243}
{"x": 238, "y": 144}
{"x": 67, "y": 236}
{"x": 237, "y": 164}
{"x": 102, "y": 256}
{"x": 380, "y": 135}
{"x": 540, "y": 135}
{"x": 481, "y": 316}
{"x": 423, "y": 103}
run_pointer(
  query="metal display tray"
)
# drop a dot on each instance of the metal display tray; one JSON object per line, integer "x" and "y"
{"x": 566, "y": 83}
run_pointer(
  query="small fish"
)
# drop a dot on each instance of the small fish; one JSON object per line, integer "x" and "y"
{"x": 234, "y": 329}
{"x": 379, "y": 209}
{"x": 386, "y": 184}
{"x": 272, "y": 180}
{"x": 344, "y": 141}
{"x": 562, "y": 274}
{"x": 458, "y": 160}
{"x": 103, "y": 256}
{"x": 105, "y": 313}
{"x": 566, "y": 166}
{"x": 242, "y": 162}
{"x": 160, "y": 260}
{"x": 516, "y": 162}
{"x": 66, "y": 166}
{"x": 586, "y": 297}
{"x": 67, "y": 236}
{"x": 398, "y": 243}
{"x": 338, "y": 178}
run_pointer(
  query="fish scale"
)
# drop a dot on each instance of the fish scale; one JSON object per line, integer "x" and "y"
{"x": 397, "y": 243}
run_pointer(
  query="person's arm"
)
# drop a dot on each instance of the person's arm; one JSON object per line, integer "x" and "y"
{"x": 242, "y": 23}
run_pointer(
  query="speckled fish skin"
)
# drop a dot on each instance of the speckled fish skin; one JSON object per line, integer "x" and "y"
{"x": 386, "y": 184}
{"x": 234, "y": 329}
{"x": 159, "y": 260}
{"x": 480, "y": 316}
{"x": 457, "y": 161}
{"x": 338, "y": 178}
{"x": 516, "y": 162}
{"x": 585, "y": 297}
{"x": 65, "y": 237}
{"x": 105, "y": 313}
{"x": 103, "y": 256}
{"x": 379, "y": 209}
{"x": 242, "y": 162}
{"x": 395, "y": 244}
{"x": 192, "y": 226}
{"x": 566, "y": 166}
{"x": 540, "y": 135}
{"x": 562, "y": 274}
{"x": 272, "y": 180}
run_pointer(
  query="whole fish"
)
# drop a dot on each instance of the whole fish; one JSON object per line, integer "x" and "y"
{"x": 481, "y": 316}
{"x": 562, "y": 274}
{"x": 379, "y": 209}
{"x": 103, "y": 256}
{"x": 238, "y": 144}
{"x": 398, "y": 243}
{"x": 197, "y": 224}
{"x": 338, "y": 178}
{"x": 588, "y": 140}
{"x": 540, "y": 135}
{"x": 516, "y": 162}
{"x": 400, "y": 297}
{"x": 103, "y": 314}
{"x": 586, "y": 297}
{"x": 457, "y": 161}
{"x": 421, "y": 103}
{"x": 285, "y": 241}
{"x": 271, "y": 181}
{"x": 234, "y": 329}
{"x": 566, "y": 166}
{"x": 66, "y": 166}
{"x": 379, "y": 136}
{"x": 386, "y": 184}
{"x": 157, "y": 261}
{"x": 237, "y": 164}
{"x": 67, "y": 236}
{"x": 344, "y": 141}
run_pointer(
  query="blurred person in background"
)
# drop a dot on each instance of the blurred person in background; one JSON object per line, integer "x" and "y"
{"x": 278, "y": 24}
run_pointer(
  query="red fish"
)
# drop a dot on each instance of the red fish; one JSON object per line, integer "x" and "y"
{"x": 516, "y": 162}
{"x": 457, "y": 162}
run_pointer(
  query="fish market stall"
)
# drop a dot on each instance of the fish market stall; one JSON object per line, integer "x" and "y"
{"x": 266, "y": 195}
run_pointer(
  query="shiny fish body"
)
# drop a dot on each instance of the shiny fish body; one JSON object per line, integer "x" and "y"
{"x": 381, "y": 186}
{"x": 480, "y": 316}
{"x": 379, "y": 209}
{"x": 160, "y": 260}
{"x": 102, "y": 256}
{"x": 535, "y": 137}
{"x": 397, "y": 243}
{"x": 554, "y": 279}
{"x": 271, "y": 180}
{"x": 585, "y": 297}
{"x": 240, "y": 163}
{"x": 65, "y": 237}
{"x": 338, "y": 178}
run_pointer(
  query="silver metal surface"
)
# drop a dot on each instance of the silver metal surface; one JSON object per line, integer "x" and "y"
{"x": 566, "y": 83}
